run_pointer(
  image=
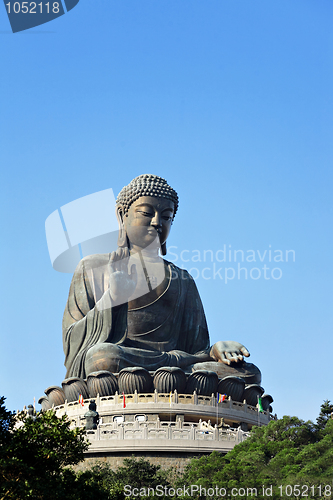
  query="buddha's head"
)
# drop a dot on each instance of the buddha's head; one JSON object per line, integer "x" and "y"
{"x": 146, "y": 209}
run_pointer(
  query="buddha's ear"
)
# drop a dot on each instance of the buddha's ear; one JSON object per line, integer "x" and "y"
{"x": 122, "y": 237}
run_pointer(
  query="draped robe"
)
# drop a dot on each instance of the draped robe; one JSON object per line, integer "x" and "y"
{"x": 171, "y": 331}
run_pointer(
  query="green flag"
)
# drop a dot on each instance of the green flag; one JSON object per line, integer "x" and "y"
{"x": 260, "y": 407}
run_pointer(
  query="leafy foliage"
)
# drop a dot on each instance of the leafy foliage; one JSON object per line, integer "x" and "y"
{"x": 326, "y": 411}
{"x": 134, "y": 473}
{"x": 34, "y": 453}
{"x": 141, "y": 473}
{"x": 288, "y": 451}
{"x": 6, "y": 422}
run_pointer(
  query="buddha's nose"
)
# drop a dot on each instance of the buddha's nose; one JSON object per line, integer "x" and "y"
{"x": 157, "y": 223}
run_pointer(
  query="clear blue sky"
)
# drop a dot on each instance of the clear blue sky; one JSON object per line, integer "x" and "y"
{"x": 231, "y": 102}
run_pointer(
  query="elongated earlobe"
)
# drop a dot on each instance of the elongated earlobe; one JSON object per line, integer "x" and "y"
{"x": 164, "y": 248}
{"x": 122, "y": 237}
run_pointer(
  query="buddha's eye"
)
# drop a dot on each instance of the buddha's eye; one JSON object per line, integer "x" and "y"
{"x": 145, "y": 214}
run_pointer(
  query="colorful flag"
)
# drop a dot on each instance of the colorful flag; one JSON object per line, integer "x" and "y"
{"x": 81, "y": 400}
{"x": 124, "y": 400}
{"x": 221, "y": 397}
{"x": 260, "y": 407}
{"x": 34, "y": 403}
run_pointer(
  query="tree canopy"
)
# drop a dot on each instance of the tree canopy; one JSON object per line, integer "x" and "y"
{"x": 133, "y": 478}
{"x": 34, "y": 455}
{"x": 35, "y": 458}
{"x": 288, "y": 451}
{"x": 326, "y": 412}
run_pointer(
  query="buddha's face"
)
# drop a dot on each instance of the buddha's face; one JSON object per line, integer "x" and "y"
{"x": 148, "y": 220}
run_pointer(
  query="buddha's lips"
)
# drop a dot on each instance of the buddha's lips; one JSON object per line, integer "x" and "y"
{"x": 154, "y": 232}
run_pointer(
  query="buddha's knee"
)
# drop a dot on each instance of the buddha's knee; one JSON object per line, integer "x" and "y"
{"x": 247, "y": 371}
{"x": 103, "y": 357}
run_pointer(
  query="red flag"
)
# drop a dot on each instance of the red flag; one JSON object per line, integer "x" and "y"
{"x": 124, "y": 401}
{"x": 81, "y": 400}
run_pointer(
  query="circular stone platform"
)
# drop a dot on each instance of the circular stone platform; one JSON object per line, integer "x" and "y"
{"x": 164, "y": 424}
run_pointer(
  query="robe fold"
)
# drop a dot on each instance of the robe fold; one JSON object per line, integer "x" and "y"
{"x": 171, "y": 331}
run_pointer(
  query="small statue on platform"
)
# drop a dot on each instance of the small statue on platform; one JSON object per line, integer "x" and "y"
{"x": 92, "y": 417}
{"x": 133, "y": 308}
{"x": 222, "y": 425}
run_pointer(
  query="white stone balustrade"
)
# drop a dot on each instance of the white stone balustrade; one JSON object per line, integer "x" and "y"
{"x": 166, "y": 434}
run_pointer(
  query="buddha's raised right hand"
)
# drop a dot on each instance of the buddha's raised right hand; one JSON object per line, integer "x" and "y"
{"x": 122, "y": 283}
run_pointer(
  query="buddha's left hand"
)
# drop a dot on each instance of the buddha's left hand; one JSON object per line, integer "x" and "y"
{"x": 228, "y": 351}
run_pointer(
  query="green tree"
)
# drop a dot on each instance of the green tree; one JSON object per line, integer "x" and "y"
{"x": 136, "y": 473}
{"x": 34, "y": 456}
{"x": 141, "y": 473}
{"x": 288, "y": 451}
{"x": 326, "y": 412}
{"x": 6, "y": 422}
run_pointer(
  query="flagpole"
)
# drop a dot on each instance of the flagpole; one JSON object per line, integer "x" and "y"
{"x": 258, "y": 410}
{"x": 124, "y": 406}
{"x": 217, "y": 409}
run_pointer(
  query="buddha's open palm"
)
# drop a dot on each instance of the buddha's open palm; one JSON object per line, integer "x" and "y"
{"x": 122, "y": 283}
{"x": 228, "y": 351}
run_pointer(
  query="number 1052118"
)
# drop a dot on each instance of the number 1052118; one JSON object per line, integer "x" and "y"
{"x": 32, "y": 7}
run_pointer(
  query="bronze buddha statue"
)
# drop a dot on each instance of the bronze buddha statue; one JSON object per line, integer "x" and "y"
{"x": 133, "y": 308}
